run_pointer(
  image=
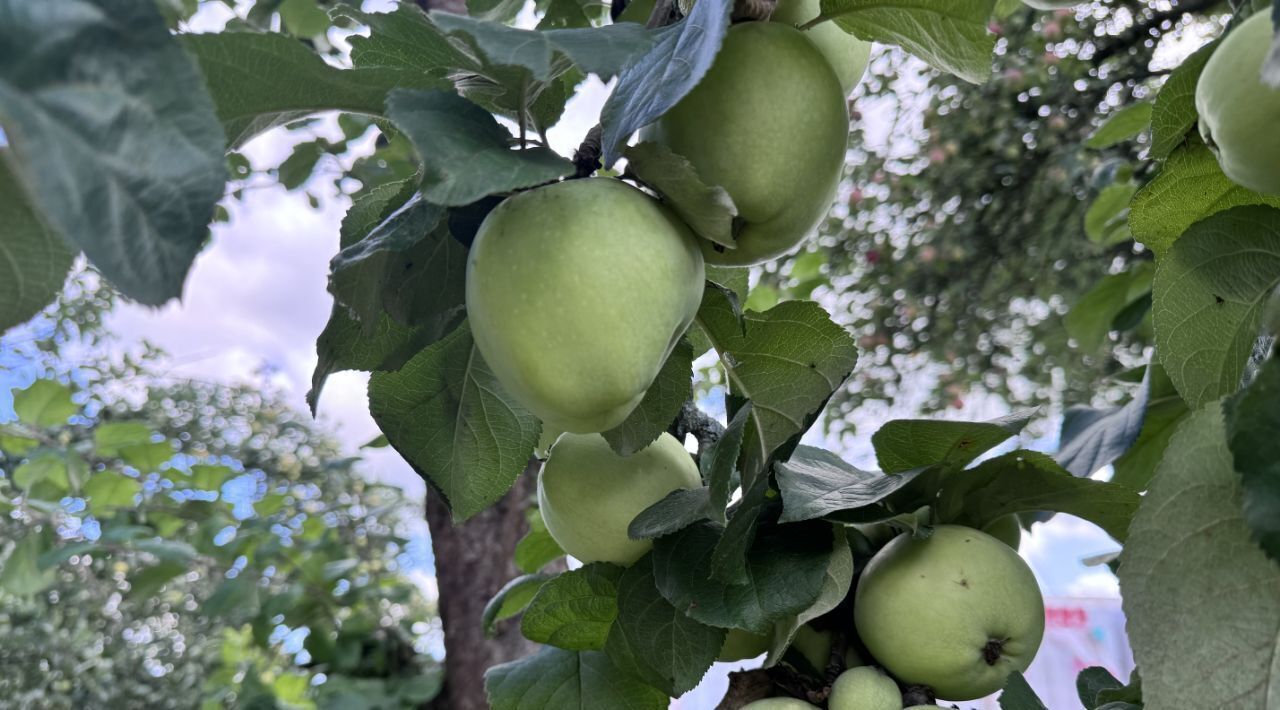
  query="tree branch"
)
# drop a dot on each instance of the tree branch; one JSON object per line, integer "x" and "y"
{"x": 705, "y": 428}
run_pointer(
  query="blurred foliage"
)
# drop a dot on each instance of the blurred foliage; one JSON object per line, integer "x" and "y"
{"x": 961, "y": 244}
{"x": 172, "y": 543}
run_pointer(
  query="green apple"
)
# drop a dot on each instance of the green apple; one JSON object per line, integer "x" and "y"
{"x": 1006, "y": 529}
{"x": 957, "y": 611}
{"x": 546, "y": 439}
{"x": 588, "y": 494}
{"x": 740, "y": 645}
{"x": 847, "y": 54}
{"x": 864, "y": 688}
{"x": 767, "y": 123}
{"x": 576, "y": 294}
{"x": 1238, "y": 113}
{"x": 779, "y": 704}
{"x": 814, "y": 645}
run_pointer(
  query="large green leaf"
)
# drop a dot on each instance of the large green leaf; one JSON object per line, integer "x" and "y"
{"x": 1174, "y": 114}
{"x": 448, "y": 416}
{"x": 654, "y": 82}
{"x": 815, "y": 482}
{"x": 20, "y": 573}
{"x": 259, "y": 81}
{"x": 655, "y": 641}
{"x": 1201, "y": 598}
{"x": 660, "y": 406}
{"x": 44, "y": 404}
{"x": 787, "y": 361}
{"x": 537, "y": 548}
{"x": 835, "y": 588}
{"x": 107, "y": 490}
{"x": 707, "y": 209}
{"x": 1165, "y": 411}
{"x": 1092, "y": 438}
{"x": 1253, "y": 419}
{"x": 112, "y": 136}
{"x": 33, "y": 260}
{"x": 575, "y": 609}
{"x": 1189, "y": 188}
{"x": 1209, "y": 292}
{"x": 511, "y": 600}
{"x": 466, "y": 153}
{"x": 951, "y": 35}
{"x": 906, "y": 444}
{"x": 1120, "y": 126}
{"x": 1029, "y": 481}
{"x": 786, "y": 565}
{"x": 556, "y": 679}
{"x": 1093, "y": 317}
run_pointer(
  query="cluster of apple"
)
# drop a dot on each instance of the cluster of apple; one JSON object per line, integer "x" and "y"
{"x": 578, "y": 291}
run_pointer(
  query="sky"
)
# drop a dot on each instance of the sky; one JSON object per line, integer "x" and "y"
{"x": 256, "y": 299}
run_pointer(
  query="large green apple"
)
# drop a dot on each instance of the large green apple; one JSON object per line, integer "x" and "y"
{"x": 847, "y": 54}
{"x": 576, "y": 294}
{"x": 1238, "y": 113}
{"x": 957, "y": 611}
{"x": 768, "y": 123}
{"x": 588, "y": 494}
{"x": 740, "y": 645}
{"x": 864, "y": 688}
{"x": 779, "y": 704}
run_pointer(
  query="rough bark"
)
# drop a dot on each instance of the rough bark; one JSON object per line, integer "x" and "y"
{"x": 473, "y": 561}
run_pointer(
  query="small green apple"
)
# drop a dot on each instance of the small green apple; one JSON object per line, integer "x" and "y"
{"x": 740, "y": 645}
{"x": 864, "y": 688}
{"x": 779, "y": 704}
{"x": 1238, "y": 113}
{"x": 814, "y": 645}
{"x": 588, "y": 494}
{"x": 1006, "y": 529}
{"x": 576, "y": 294}
{"x": 767, "y": 123}
{"x": 847, "y": 54}
{"x": 957, "y": 611}
{"x": 546, "y": 439}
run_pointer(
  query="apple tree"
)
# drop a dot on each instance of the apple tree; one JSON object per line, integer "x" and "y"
{"x": 531, "y": 322}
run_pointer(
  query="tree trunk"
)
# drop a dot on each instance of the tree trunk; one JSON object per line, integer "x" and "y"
{"x": 473, "y": 561}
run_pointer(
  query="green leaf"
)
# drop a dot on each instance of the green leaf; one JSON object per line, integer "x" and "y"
{"x": 951, "y": 35}
{"x": 905, "y": 444}
{"x": 537, "y": 548}
{"x": 1174, "y": 114}
{"x": 1093, "y": 317}
{"x": 131, "y": 442}
{"x": 210, "y": 478}
{"x": 260, "y": 81}
{"x": 510, "y": 600}
{"x": 1026, "y": 481}
{"x": 1253, "y": 418}
{"x": 1120, "y": 126}
{"x": 447, "y": 415}
{"x": 555, "y": 679}
{"x": 575, "y": 610}
{"x": 1091, "y": 681}
{"x": 14, "y": 443}
{"x": 1018, "y": 695}
{"x": 303, "y": 18}
{"x": 110, "y": 489}
{"x": 729, "y": 559}
{"x": 34, "y": 261}
{"x": 786, "y": 565}
{"x": 20, "y": 574}
{"x": 1107, "y": 220}
{"x": 1189, "y": 188}
{"x": 360, "y": 335}
{"x": 1197, "y": 590}
{"x": 677, "y": 510}
{"x": 707, "y": 209}
{"x": 112, "y": 137}
{"x": 234, "y": 598}
{"x": 835, "y": 588}
{"x": 653, "y": 640}
{"x": 1209, "y": 292}
{"x": 1165, "y": 411}
{"x": 146, "y": 582}
{"x": 44, "y": 404}
{"x": 467, "y": 154}
{"x": 177, "y": 551}
{"x": 719, "y": 463}
{"x": 48, "y": 467}
{"x": 1093, "y": 438}
{"x": 660, "y": 406}
{"x": 654, "y": 82}
{"x": 57, "y": 555}
{"x": 600, "y": 50}
{"x": 787, "y": 361}
{"x": 815, "y": 483}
